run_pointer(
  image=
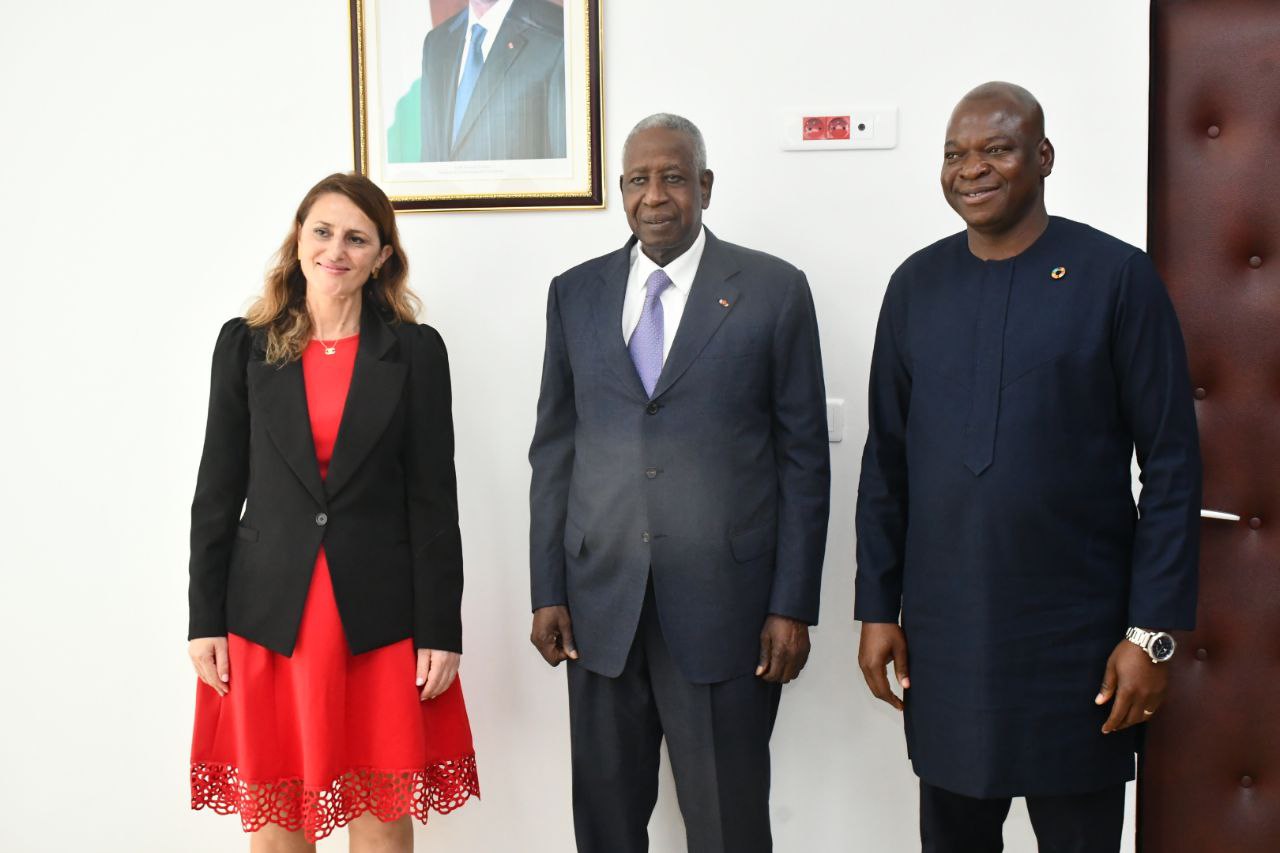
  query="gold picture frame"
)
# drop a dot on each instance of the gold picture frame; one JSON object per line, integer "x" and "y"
{"x": 527, "y": 134}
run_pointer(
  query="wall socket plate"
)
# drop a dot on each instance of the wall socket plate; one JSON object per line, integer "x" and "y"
{"x": 830, "y": 127}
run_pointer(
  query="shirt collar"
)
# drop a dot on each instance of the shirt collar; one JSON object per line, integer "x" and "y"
{"x": 490, "y": 20}
{"x": 681, "y": 271}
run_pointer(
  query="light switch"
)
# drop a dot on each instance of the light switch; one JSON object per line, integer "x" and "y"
{"x": 835, "y": 420}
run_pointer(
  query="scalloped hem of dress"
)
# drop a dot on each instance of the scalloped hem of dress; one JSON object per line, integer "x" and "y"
{"x": 388, "y": 794}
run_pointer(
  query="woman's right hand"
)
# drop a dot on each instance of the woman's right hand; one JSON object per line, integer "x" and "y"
{"x": 209, "y": 657}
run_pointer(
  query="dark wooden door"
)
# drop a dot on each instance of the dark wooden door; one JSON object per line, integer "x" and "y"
{"x": 1210, "y": 774}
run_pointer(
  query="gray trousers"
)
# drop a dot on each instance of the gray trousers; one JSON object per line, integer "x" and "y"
{"x": 717, "y": 737}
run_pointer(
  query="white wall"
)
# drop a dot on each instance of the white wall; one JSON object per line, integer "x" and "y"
{"x": 153, "y": 153}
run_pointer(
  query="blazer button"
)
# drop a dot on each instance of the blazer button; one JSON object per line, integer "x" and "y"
{"x": 321, "y": 519}
{"x": 651, "y": 472}
{"x": 652, "y": 408}
{"x": 644, "y": 537}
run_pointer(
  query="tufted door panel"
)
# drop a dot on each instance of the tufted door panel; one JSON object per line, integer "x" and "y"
{"x": 1210, "y": 775}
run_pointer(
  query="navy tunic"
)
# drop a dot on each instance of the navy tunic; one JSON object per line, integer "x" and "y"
{"x": 995, "y": 510}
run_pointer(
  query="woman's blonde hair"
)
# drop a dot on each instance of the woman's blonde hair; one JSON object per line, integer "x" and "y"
{"x": 282, "y": 308}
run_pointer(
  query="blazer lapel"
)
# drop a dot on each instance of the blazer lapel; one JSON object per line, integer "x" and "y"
{"x": 376, "y": 391}
{"x": 711, "y": 298}
{"x": 280, "y": 396}
{"x": 609, "y": 297}
{"x": 508, "y": 45}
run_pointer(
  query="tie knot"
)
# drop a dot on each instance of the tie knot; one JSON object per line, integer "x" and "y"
{"x": 477, "y": 34}
{"x": 657, "y": 282}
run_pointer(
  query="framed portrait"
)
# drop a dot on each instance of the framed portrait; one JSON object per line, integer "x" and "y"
{"x": 478, "y": 104}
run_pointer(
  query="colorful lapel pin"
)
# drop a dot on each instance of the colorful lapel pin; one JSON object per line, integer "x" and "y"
{"x": 724, "y": 303}
{"x": 1057, "y": 273}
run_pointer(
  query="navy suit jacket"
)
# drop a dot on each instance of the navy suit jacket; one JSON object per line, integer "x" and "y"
{"x": 517, "y": 109}
{"x": 719, "y": 485}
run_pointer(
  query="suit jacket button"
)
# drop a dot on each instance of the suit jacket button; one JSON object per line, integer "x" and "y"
{"x": 321, "y": 519}
{"x": 651, "y": 472}
{"x": 652, "y": 408}
{"x": 644, "y": 537}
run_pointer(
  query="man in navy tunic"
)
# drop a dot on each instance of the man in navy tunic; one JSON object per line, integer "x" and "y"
{"x": 1018, "y": 366}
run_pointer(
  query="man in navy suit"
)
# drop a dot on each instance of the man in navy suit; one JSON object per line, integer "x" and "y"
{"x": 681, "y": 482}
{"x": 493, "y": 83}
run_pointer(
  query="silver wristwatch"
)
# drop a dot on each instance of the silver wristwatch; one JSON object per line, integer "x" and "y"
{"x": 1157, "y": 644}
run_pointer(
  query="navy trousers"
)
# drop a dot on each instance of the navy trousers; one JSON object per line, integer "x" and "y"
{"x": 717, "y": 737}
{"x": 1080, "y": 823}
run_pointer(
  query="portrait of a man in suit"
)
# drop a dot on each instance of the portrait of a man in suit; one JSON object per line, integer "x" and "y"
{"x": 492, "y": 86}
{"x": 679, "y": 502}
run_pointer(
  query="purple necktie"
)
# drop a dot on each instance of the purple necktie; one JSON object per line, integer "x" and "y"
{"x": 646, "y": 341}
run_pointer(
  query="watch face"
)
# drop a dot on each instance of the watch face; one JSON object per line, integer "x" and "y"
{"x": 1162, "y": 647}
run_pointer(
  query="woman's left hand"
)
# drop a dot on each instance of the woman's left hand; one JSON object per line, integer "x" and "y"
{"x": 436, "y": 671}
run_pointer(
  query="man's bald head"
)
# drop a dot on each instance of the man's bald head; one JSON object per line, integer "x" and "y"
{"x": 995, "y": 160}
{"x": 1013, "y": 98}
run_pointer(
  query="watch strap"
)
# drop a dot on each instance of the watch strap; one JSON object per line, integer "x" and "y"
{"x": 1144, "y": 640}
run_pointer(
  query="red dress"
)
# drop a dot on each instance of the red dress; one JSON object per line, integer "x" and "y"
{"x": 315, "y": 740}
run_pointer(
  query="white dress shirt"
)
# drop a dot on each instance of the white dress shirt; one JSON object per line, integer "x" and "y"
{"x": 491, "y": 21}
{"x": 681, "y": 271}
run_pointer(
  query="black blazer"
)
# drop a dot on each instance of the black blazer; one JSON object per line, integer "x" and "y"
{"x": 387, "y": 514}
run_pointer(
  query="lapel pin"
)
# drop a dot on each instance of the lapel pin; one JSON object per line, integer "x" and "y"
{"x": 1057, "y": 273}
{"x": 724, "y": 303}
{"x": 511, "y": 45}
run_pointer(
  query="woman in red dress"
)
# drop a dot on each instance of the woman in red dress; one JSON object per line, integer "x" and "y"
{"x": 325, "y": 624}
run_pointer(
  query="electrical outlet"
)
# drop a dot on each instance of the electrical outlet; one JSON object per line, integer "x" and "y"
{"x": 824, "y": 128}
